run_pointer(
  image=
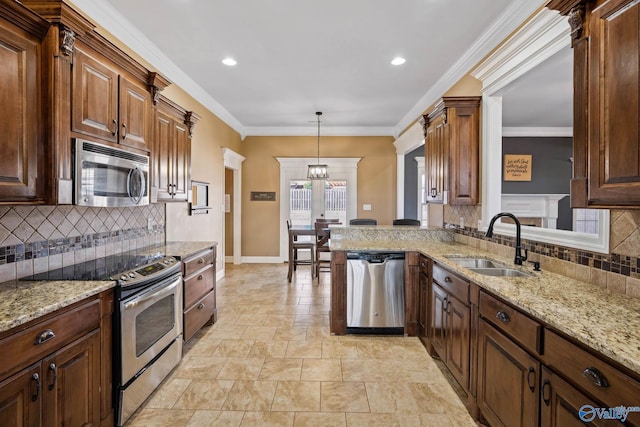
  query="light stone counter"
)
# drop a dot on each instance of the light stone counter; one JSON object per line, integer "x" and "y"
{"x": 22, "y": 301}
{"x": 181, "y": 250}
{"x": 605, "y": 321}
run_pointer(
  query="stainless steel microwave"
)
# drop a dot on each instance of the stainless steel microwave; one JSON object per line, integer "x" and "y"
{"x": 109, "y": 177}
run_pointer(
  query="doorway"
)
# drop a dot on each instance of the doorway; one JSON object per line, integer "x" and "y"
{"x": 304, "y": 200}
{"x": 232, "y": 233}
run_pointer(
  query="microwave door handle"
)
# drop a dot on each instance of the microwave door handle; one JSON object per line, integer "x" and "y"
{"x": 136, "y": 198}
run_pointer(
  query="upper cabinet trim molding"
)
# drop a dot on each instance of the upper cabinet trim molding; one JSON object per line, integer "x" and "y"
{"x": 546, "y": 34}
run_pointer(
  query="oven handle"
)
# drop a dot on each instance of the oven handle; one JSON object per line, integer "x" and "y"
{"x": 158, "y": 290}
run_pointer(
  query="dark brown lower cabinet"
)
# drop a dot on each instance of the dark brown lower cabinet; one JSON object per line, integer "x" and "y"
{"x": 561, "y": 402}
{"x": 71, "y": 384}
{"x": 508, "y": 388}
{"x": 55, "y": 371}
{"x": 458, "y": 340}
{"x": 17, "y": 406}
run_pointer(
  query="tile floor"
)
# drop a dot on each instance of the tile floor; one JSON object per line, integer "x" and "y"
{"x": 270, "y": 361}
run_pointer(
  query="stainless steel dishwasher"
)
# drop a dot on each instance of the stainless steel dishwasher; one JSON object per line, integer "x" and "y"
{"x": 375, "y": 292}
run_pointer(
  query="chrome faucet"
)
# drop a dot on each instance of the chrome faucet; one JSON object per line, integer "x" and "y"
{"x": 519, "y": 258}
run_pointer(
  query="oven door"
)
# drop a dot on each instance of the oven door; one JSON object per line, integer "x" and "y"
{"x": 150, "y": 321}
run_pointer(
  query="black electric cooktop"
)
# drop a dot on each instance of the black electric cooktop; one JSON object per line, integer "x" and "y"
{"x": 107, "y": 268}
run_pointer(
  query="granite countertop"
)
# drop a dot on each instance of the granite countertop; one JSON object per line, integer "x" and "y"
{"x": 22, "y": 301}
{"x": 605, "y": 321}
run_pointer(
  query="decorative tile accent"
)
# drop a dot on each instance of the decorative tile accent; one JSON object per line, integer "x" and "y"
{"x": 28, "y": 233}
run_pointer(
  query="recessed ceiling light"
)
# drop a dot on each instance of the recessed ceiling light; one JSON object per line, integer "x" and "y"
{"x": 229, "y": 61}
{"x": 398, "y": 60}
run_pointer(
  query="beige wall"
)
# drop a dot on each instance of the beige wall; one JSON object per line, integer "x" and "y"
{"x": 261, "y": 172}
{"x": 207, "y": 164}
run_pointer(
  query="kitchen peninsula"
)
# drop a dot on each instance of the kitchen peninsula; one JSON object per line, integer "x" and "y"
{"x": 561, "y": 330}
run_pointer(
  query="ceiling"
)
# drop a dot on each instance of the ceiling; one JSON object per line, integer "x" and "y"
{"x": 296, "y": 57}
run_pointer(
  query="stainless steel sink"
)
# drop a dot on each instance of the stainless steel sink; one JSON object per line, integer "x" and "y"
{"x": 502, "y": 272}
{"x": 476, "y": 263}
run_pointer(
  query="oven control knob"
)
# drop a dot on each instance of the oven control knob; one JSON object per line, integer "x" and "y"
{"x": 132, "y": 275}
{"x": 124, "y": 278}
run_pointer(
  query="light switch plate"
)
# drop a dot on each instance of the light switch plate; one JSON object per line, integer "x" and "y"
{"x": 366, "y": 207}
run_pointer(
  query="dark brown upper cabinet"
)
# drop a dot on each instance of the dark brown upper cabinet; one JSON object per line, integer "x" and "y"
{"x": 451, "y": 157}
{"x": 606, "y": 47}
{"x": 109, "y": 105}
{"x": 21, "y": 136}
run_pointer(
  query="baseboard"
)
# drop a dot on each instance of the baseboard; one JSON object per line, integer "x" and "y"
{"x": 262, "y": 260}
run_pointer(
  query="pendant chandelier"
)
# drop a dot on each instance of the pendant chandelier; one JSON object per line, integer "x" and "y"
{"x": 318, "y": 171}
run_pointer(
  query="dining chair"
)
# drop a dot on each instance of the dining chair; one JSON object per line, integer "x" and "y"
{"x": 323, "y": 234}
{"x": 363, "y": 221}
{"x": 406, "y": 221}
{"x": 296, "y": 245}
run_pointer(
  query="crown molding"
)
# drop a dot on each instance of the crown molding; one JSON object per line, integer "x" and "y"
{"x": 537, "y": 131}
{"x": 540, "y": 38}
{"x": 411, "y": 139}
{"x": 106, "y": 16}
{"x": 513, "y": 16}
{"x": 310, "y": 131}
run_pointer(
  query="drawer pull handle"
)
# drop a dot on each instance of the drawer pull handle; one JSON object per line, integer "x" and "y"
{"x": 200, "y": 277}
{"x": 53, "y": 369}
{"x": 201, "y": 261}
{"x": 35, "y": 382}
{"x": 200, "y": 306}
{"x": 531, "y": 379}
{"x": 447, "y": 279}
{"x": 546, "y": 392}
{"x": 44, "y": 337}
{"x": 503, "y": 317}
{"x": 595, "y": 377}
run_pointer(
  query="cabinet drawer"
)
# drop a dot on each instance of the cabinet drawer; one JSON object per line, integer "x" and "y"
{"x": 198, "y": 262}
{"x": 518, "y": 326}
{"x": 586, "y": 370}
{"x": 452, "y": 283}
{"x": 48, "y": 336}
{"x": 197, "y": 285}
{"x": 199, "y": 314}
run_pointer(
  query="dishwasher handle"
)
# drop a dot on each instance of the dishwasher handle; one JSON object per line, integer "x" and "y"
{"x": 375, "y": 257}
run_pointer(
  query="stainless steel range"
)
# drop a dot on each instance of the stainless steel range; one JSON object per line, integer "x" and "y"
{"x": 147, "y": 332}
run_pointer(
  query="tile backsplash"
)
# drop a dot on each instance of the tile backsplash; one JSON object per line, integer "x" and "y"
{"x": 34, "y": 239}
{"x": 618, "y": 271}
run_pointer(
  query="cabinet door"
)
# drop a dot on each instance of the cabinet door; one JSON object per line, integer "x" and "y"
{"x": 163, "y": 155}
{"x": 95, "y": 98}
{"x": 71, "y": 384}
{"x": 135, "y": 112}
{"x": 458, "y": 325}
{"x": 436, "y": 154}
{"x": 20, "y": 398}
{"x": 182, "y": 161}
{"x": 507, "y": 380}
{"x": 423, "y": 301}
{"x": 614, "y": 104}
{"x": 437, "y": 326}
{"x": 560, "y": 404}
{"x": 20, "y": 115}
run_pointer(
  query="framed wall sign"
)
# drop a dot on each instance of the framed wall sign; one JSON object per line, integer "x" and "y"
{"x": 263, "y": 196}
{"x": 517, "y": 167}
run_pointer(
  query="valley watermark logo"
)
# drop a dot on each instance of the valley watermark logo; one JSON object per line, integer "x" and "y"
{"x": 589, "y": 413}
